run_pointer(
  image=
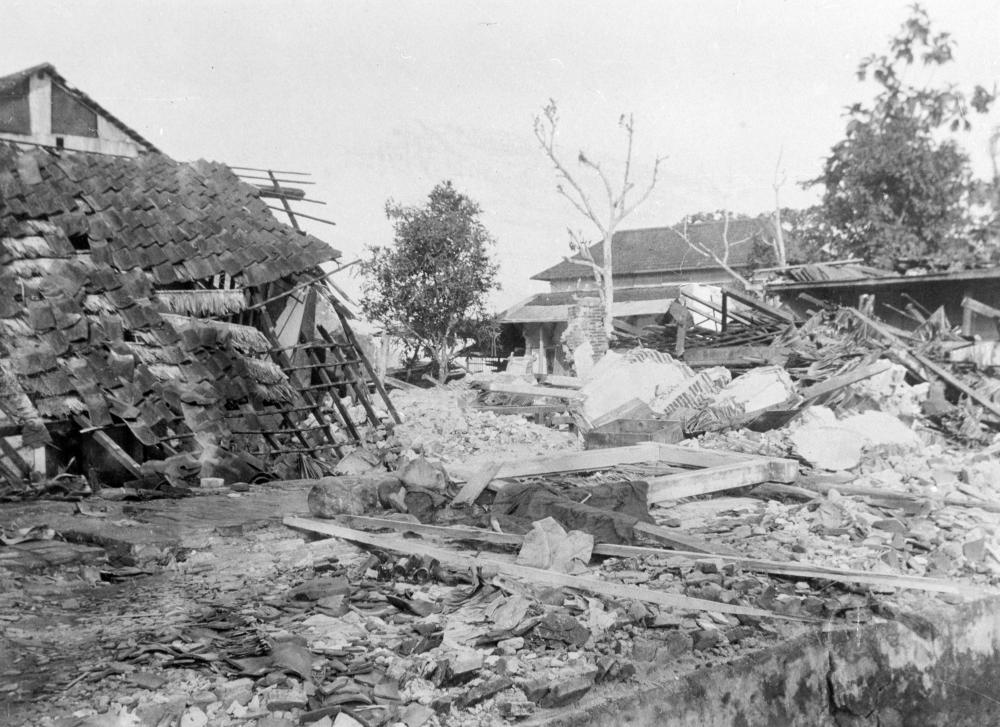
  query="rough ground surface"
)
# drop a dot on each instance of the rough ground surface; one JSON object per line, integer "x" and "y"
{"x": 145, "y": 628}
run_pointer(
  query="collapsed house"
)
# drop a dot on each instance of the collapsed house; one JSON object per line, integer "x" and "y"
{"x": 158, "y": 322}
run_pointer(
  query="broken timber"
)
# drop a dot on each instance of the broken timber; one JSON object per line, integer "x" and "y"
{"x": 618, "y": 591}
{"x": 712, "y": 471}
{"x": 757, "y": 565}
{"x": 913, "y": 361}
{"x": 530, "y": 390}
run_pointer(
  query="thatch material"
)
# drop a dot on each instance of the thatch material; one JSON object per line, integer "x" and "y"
{"x": 264, "y": 372}
{"x": 61, "y": 407}
{"x": 203, "y": 302}
{"x": 245, "y": 338}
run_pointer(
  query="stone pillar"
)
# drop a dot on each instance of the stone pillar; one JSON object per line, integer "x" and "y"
{"x": 585, "y": 325}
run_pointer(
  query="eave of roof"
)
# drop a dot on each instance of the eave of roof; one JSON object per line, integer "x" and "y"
{"x": 889, "y": 281}
{"x": 554, "y": 307}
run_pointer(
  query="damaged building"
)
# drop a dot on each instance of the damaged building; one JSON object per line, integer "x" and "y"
{"x": 650, "y": 268}
{"x": 156, "y": 320}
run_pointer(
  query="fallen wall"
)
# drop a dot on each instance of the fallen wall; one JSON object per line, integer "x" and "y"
{"x": 946, "y": 672}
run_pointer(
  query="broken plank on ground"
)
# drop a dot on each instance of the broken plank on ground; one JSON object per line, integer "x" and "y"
{"x": 501, "y": 387}
{"x": 759, "y": 565}
{"x": 705, "y": 481}
{"x": 537, "y": 575}
{"x": 475, "y": 485}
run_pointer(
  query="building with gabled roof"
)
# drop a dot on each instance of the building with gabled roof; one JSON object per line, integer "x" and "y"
{"x": 650, "y": 266}
{"x": 158, "y": 322}
{"x": 38, "y": 105}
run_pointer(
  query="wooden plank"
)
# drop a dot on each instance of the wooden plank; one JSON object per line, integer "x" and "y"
{"x": 680, "y": 540}
{"x": 618, "y": 591}
{"x": 579, "y": 461}
{"x": 859, "y": 373}
{"x": 523, "y": 410}
{"x": 909, "y": 356}
{"x": 735, "y": 356}
{"x": 760, "y": 306}
{"x": 501, "y": 387}
{"x": 781, "y": 470}
{"x": 565, "y": 382}
{"x": 971, "y": 304}
{"x": 704, "y": 481}
{"x": 631, "y": 409}
{"x": 349, "y": 333}
{"x": 884, "y": 494}
{"x": 117, "y": 453}
{"x": 475, "y": 485}
{"x": 800, "y": 570}
{"x": 756, "y": 565}
{"x": 14, "y": 456}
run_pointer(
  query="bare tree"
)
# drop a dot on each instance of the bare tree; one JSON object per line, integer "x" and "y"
{"x": 779, "y": 234}
{"x": 617, "y": 199}
{"x": 719, "y": 258}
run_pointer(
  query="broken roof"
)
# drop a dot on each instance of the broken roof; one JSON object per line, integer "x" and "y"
{"x": 664, "y": 249}
{"x": 85, "y": 241}
{"x": 12, "y": 80}
{"x": 180, "y": 222}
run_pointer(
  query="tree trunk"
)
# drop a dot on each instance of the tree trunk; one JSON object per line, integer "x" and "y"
{"x": 442, "y": 361}
{"x": 609, "y": 285}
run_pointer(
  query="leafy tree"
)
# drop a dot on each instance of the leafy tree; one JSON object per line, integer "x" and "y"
{"x": 430, "y": 287}
{"x": 896, "y": 188}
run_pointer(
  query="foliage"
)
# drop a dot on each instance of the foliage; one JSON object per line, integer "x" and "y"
{"x": 430, "y": 287}
{"x": 896, "y": 192}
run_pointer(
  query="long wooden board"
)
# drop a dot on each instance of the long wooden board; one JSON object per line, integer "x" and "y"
{"x": 579, "y": 461}
{"x": 619, "y": 591}
{"x": 705, "y": 481}
{"x": 757, "y": 565}
{"x": 475, "y": 485}
{"x": 529, "y": 390}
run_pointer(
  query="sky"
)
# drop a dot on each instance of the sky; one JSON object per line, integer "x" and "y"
{"x": 383, "y": 100}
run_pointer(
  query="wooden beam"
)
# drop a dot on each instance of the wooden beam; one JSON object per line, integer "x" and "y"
{"x": 117, "y": 453}
{"x": 529, "y": 390}
{"x": 475, "y": 485}
{"x": 537, "y": 409}
{"x": 679, "y": 540}
{"x": 907, "y": 356}
{"x": 565, "y": 382}
{"x": 618, "y": 591}
{"x": 801, "y": 570}
{"x": 780, "y": 469}
{"x": 971, "y": 304}
{"x": 859, "y": 373}
{"x": 579, "y": 461}
{"x": 761, "y": 306}
{"x": 754, "y": 565}
{"x": 14, "y": 456}
{"x": 704, "y": 481}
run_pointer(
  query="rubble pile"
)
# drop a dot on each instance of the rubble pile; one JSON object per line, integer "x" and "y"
{"x": 440, "y": 423}
{"x": 472, "y": 568}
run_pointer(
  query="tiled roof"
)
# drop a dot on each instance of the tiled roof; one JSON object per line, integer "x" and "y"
{"x": 83, "y": 334}
{"x": 11, "y": 80}
{"x": 664, "y": 249}
{"x": 180, "y": 222}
